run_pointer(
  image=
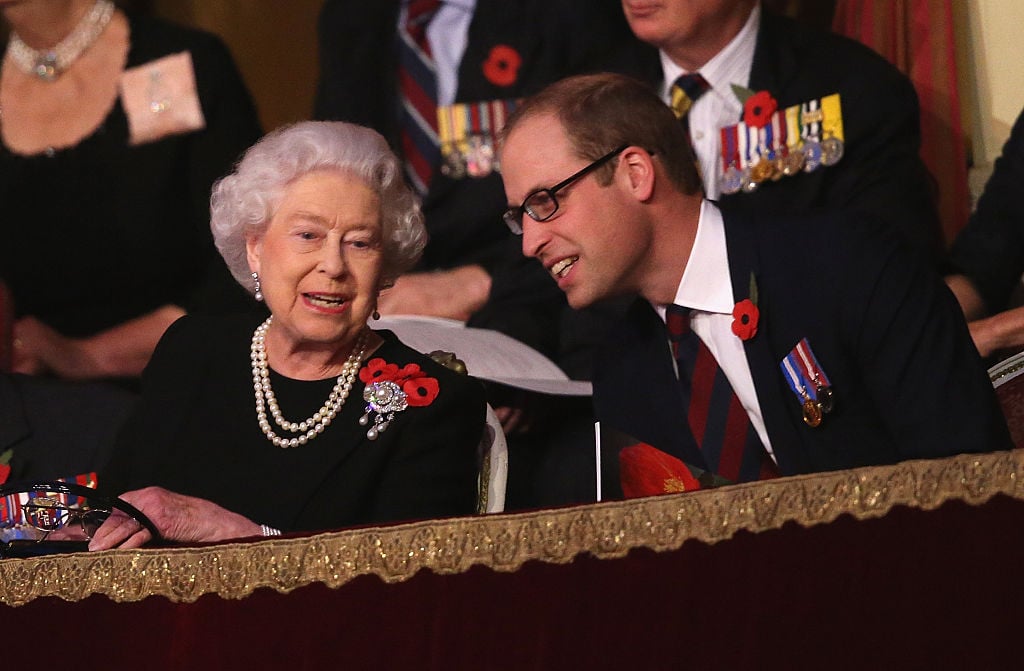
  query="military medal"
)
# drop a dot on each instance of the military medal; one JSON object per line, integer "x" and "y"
{"x": 777, "y": 143}
{"x": 812, "y": 155}
{"x": 480, "y": 157}
{"x": 750, "y": 185}
{"x": 454, "y": 165}
{"x": 732, "y": 180}
{"x": 808, "y": 381}
{"x": 468, "y": 133}
{"x": 762, "y": 171}
{"x": 800, "y": 138}
{"x": 812, "y": 412}
{"x": 824, "y": 395}
{"x": 831, "y": 151}
{"x": 832, "y": 146}
{"x": 810, "y": 131}
{"x": 732, "y": 176}
{"x": 750, "y": 138}
{"x": 793, "y": 161}
{"x": 813, "y": 371}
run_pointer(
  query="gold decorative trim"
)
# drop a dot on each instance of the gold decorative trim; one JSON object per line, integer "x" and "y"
{"x": 504, "y": 542}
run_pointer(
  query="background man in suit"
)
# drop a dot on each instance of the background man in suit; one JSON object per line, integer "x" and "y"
{"x": 738, "y": 43}
{"x": 842, "y": 349}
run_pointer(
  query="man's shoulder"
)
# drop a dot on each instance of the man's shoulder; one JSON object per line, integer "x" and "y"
{"x": 820, "y": 57}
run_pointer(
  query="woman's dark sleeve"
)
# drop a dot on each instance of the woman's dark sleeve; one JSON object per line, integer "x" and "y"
{"x": 433, "y": 471}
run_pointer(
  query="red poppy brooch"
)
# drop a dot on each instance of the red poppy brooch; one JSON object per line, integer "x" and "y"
{"x": 758, "y": 107}
{"x": 502, "y": 65}
{"x": 745, "y": 314}
{"x": 390, "y": 389}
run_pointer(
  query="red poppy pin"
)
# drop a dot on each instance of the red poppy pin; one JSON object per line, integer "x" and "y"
{"x": 5, "y": 465}
{"x": 745, "y": 314}
{"x": 502, "y": 65}
{"x": 758, "y": 109}
{"x": 390, "y": 389}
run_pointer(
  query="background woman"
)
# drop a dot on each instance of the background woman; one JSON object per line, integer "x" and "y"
{"x": 113, "y": 131}
{"x": 234, "y": 430}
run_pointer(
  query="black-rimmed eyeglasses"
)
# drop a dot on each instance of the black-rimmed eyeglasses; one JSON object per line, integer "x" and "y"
{"x": 542, "y": 204}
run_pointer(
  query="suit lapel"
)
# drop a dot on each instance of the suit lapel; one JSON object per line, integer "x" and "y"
{"x": 644, "y": 399}
{"x": 775, "y": 64}
{"x": 744, "y": 260}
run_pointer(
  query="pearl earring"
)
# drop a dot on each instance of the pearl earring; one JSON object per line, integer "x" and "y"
{"x": 376, "y": 315}
{"x": 258, "y": 295}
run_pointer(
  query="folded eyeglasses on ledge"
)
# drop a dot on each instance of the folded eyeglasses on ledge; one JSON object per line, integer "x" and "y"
{"x": 51, "y": 517}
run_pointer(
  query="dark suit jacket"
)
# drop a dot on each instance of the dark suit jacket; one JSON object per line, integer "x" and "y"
{"x": 881, "y": 172}
{"x": 907, "y": 381}
{"x": 990, "y": 249}
{"x": 59, "y": 429}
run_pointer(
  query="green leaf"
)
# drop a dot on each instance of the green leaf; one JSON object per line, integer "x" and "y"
{"x": 741, "y": 92}
{"x": 753, "y": 289}
{"x": 5, "y": 456}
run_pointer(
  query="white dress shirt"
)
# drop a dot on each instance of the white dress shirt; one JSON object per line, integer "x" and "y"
{"x": 706, "y": 288}
{"x": 719, "y": 106}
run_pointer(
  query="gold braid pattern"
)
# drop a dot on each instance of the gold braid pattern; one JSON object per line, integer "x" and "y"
{"x": 504, "y": 542}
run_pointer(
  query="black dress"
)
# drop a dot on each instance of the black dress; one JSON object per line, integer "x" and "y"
{"x": 196, "y": 433}
{"x": 102, "y": 232}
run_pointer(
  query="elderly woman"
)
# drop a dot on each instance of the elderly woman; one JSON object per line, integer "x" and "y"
{"x": 308, "y": 419}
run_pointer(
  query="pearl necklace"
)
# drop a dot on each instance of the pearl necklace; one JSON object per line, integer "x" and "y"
{"x": 321, "y": 419}
{"x": 48, "y": 64}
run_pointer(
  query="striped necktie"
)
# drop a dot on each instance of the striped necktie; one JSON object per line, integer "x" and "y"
{"x": 727, "y": 440}
{"x": 686, "y": 90}
{"x": 417, "y": 80}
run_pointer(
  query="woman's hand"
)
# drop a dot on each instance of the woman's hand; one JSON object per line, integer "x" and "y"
{"x": 177, "y": 517}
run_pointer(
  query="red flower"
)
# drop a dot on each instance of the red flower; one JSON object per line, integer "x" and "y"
{"x": 5, "y": 472}
{"x": 420, "y": 391}
{"x": 758, "y": 109}
{"x": 647, "y": 471}
{"x": 408, "y": 372}
{"x": 502, "y": 65}
{"x": 744, "y": 319}
{"x": 378, "y": 370}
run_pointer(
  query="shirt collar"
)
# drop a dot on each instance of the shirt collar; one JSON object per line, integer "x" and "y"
{"x": 706, "y": 284}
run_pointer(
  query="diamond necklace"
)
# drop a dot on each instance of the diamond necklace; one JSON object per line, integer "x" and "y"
{"x": 315, "y": 425}
{"x": 48, "y": 64}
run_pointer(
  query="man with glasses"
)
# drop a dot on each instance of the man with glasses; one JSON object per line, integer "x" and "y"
{"x": 838, "y": 348}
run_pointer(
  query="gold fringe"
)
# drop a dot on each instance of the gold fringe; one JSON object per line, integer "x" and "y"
{"x": 504, "y": 542}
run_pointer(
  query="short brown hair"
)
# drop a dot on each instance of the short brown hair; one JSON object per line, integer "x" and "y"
{"x": 600, "y": 112}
